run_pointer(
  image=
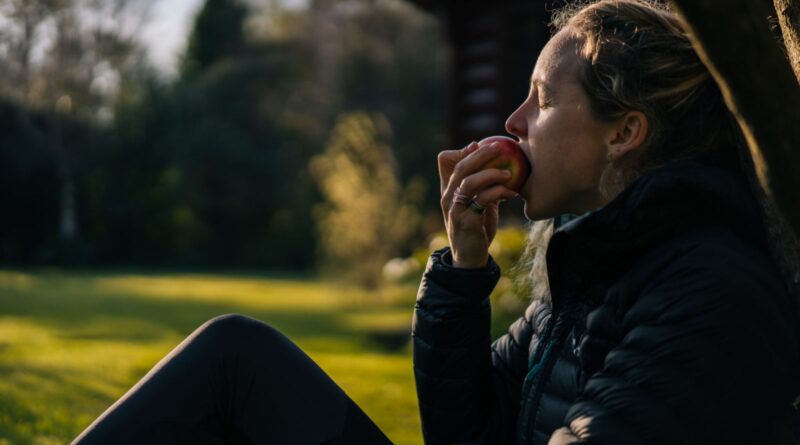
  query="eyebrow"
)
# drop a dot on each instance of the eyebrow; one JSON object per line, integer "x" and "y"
{"x": 540, "y": 84}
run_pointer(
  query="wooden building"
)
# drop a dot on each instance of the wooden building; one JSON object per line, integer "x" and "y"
{"x": 494, "y": 45}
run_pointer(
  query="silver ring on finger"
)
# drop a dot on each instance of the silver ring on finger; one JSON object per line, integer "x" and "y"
{"x": 475, "y": 207}
{"x": 461, "y": 198}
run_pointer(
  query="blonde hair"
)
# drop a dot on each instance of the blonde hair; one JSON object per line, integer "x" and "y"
{"x": 531, "y": 270}
{"x": 636, "y": 55}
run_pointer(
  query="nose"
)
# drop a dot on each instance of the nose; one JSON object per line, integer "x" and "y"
{"x": 516, "y": 123}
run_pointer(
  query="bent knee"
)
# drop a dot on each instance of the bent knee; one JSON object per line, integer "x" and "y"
{"x": 236, "y": 333}
{"x": 229, "y": 321}
{"x": 235, "y": 327}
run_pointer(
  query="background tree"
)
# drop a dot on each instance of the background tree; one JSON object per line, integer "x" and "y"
{"x": 758, "y": 84}
{"x": 390, "y": 73}
{"x": 220, "y": 177}
{"x": 218, "y": 33}
{"x": 368, "y": 216}
{"x": 62, "y": 66}
{"x": 750, "y": 65}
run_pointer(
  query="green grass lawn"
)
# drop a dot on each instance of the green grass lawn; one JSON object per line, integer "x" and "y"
{"x": 72, "y": 343}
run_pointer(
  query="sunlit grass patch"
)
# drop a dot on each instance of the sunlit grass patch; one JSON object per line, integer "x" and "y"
{"x": 387, "y": 320}
{"x": 15, "y": 279}
{"x": 72, "y": 343}
{"x": 383, "y": 386}
{"x": 250, "y": 293}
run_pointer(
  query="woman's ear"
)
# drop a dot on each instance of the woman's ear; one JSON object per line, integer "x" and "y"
{"x": 627, "y": 134}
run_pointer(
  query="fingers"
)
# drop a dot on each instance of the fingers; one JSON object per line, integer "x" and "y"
{"x": 490, "y": 220}
{"x": 447, "y": 161}
{"x": 488, "y": 198}
{"x": 471, "y": 227}
{"x": 471, "y": 165}
{"x": 469, "y": 212}
{"x": 476, "y": 182}
{"x": 463, "y": 193}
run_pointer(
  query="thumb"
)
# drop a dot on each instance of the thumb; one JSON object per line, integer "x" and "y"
{"x": 491, "y": 219}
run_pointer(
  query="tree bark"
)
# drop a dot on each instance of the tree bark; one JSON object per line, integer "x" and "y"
{"x": 789, "y": 19}
{"x": 734, "y": 40}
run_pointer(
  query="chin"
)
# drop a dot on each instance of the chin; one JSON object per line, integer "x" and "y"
{"x": 532, "y": 213}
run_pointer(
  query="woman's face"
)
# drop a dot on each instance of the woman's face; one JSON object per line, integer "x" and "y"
{"x": 566, "y": 145}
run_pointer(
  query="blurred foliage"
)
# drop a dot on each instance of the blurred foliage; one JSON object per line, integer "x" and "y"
{"x": 104, "y": 162}
{"x": 225, "y": 185}
{"x": 398, "y": 71}
{"x": 368, "y": 216}
{"x": 511, "y": 295}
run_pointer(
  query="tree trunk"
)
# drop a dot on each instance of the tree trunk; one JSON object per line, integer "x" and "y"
{"x": 789, "y": 19}
{"x": 734, "y": 40}
{"x": 67, "y": 206}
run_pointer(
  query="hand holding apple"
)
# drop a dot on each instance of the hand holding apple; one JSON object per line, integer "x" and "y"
{"x": 511, "y": 158}
{"x": 474, "y": 179}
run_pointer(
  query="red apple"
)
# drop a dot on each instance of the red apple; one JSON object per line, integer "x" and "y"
{"x": 511, "y": 158}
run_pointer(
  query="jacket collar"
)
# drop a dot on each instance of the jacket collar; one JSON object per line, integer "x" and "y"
{"x": 598, "y": 246}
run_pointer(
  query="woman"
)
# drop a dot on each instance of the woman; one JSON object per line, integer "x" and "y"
{"x": 667, "y": 320}
{"x": 671, "y": 315}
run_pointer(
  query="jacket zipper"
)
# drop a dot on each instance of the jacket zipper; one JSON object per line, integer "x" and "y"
{"x": 535, "y": 359}
{"x": 543, "y": 363}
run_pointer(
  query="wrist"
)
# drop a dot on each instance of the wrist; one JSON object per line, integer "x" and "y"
{"x": 460, "y": 263}
{"x": 471, "y": 286}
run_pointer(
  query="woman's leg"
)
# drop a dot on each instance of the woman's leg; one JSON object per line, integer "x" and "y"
{"x": 234, "y": 380}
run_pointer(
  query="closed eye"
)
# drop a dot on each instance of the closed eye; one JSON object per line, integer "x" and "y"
{"x": 543, "y": 93}
{"x": 543, "y": 103}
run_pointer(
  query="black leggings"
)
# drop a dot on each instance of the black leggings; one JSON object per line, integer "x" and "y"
{"x": 234, "y": 380}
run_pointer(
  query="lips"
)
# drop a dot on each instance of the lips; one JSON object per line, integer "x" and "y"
{"x": 528, "y": 154}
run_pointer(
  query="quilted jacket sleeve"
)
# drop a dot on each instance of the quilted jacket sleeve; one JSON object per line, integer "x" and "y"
{"x": 468, "y": 389}
{"x": 705, "y": 355}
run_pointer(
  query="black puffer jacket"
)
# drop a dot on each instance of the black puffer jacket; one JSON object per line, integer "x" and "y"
{"x": 669, "y": 324}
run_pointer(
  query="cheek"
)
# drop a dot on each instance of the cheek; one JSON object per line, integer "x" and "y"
{"x": 568, "y": 153}
{"x": 550, "y": 183}
{"x": 554, "y": 146}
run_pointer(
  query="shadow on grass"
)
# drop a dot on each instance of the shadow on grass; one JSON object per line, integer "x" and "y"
{"x": 84, "y": 312}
